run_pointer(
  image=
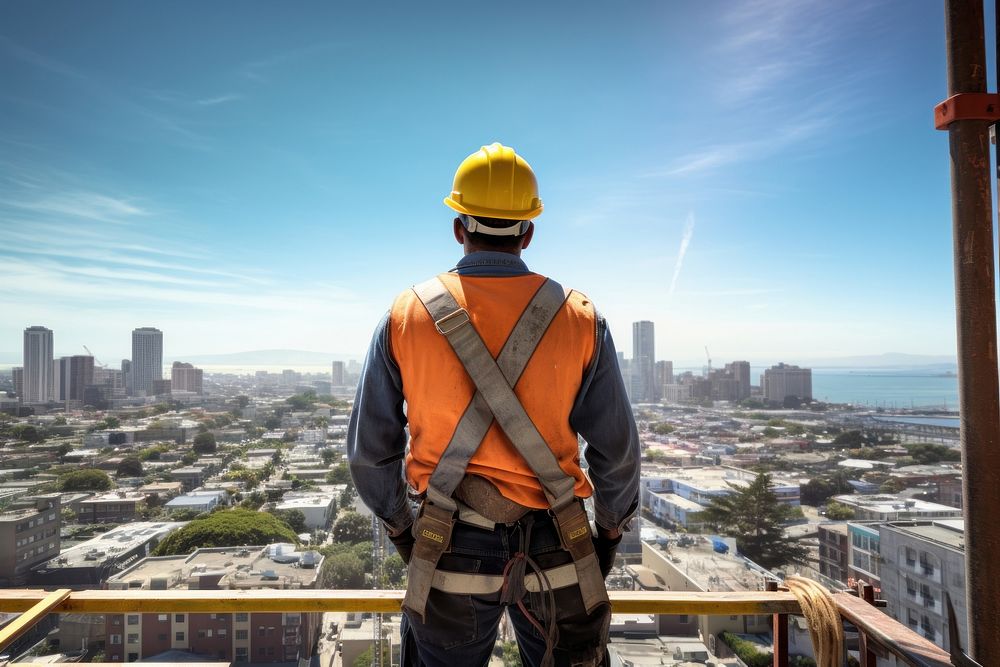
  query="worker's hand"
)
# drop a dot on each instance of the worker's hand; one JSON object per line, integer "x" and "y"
{"x": 403, "y": 543}
{"x": 606, "y": 547}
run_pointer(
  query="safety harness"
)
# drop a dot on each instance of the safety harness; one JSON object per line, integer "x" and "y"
{"x": 495, "y": 399}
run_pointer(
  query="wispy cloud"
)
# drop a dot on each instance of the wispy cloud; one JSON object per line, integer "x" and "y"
{"x": 87, "y": 205}
{"x": 219, "y": 99}
{"x": 681, "y": 253}
{"x": 260, "y": 70}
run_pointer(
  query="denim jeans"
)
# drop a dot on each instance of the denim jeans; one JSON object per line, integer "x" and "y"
{"x": 461, "y": 630}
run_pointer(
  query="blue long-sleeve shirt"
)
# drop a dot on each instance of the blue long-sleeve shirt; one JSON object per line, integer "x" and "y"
{"x": 376, "y": 438}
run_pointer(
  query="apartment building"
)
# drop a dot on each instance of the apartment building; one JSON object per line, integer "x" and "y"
{"x": 238, "y": 637}
{"x": 29, "y": 535}
{"x": 922, "y": 562}
{"x": 111, "y": 507}
{"x": 834, "y": 552}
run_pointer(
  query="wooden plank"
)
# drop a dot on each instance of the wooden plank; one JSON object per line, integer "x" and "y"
{"x": 35, "y": 613}
{"x": 868, "y": 658}
{"x": 221, "y": 601}
{"x": 886, "y": 631}
{"x": 779, "y": 631}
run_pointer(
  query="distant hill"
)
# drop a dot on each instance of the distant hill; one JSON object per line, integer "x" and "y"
{"x": 885, "y": 360}
{"x": 267, "y": 358}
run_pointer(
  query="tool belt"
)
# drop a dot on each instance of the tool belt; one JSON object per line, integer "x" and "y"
{"x": 495, "y": 400}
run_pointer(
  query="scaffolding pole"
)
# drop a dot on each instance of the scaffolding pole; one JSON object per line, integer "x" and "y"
{"x": 975, "y": 308}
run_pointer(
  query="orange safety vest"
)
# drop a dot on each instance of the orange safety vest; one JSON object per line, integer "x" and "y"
{"x": 437, "y": 388}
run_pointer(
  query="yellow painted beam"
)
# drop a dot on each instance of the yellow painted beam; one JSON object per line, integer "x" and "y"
{"x": 222, "y": 601}
{"x": 31, "y": 616}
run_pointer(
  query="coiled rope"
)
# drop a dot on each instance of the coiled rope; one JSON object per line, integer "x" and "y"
{"x": 825, "y": 626}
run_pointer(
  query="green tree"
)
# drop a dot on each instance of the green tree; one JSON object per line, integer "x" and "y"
{"x": 838, "y": 511}
{"x": 88, "y": 479}
{"x": 753, "y": 515}
{"x": 927, "y": 453}
{"x": 510, "y": 654}
{"x": 204, "y": 443}
{"x": 343, "y": 570}
{"x": 64, "y": 449}
{"x": 130, "y": 466}
{"x": 242, "y": 401}
{"x": 108, "y": 423}
{"x": 227, "y": 528}
{"x": 329, "y": 456}
{"x": 395, "y": 572}
{"x": 294, "y": 519}
{"x": 301, "y": 401}
{"x": 662, "y": 428}
{"x": 347, "y": 496}
{"x": 339, "y": 474}
{"x": 27, "y": 433}
{"x": 366, "y": 657}
{"x": 351, "y": 528}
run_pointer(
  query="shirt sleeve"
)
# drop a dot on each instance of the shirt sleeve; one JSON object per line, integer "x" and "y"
{"x": 376, "y": 436}
{"x": 602, "y": 415}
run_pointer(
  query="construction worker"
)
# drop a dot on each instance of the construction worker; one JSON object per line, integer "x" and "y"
{"x": 497, "y": 370}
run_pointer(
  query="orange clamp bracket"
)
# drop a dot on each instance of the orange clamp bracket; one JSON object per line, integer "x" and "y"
{"x": 967, "y": 106}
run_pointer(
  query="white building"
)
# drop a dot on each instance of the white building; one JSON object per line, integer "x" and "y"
{"x": 884, "y": 507}
{"x": 783, "y": 380}
{"x": 317, "y": 508}
{"x": 147, "y": 359}
{"x": 39, "y": 374}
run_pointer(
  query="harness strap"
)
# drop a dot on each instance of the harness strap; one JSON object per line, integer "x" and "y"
{"x": 454, "y": 324}
{"x": 463, "y": 583}
{"x": 512, "y": 360}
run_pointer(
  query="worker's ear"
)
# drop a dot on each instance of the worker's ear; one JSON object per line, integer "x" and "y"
{"x": 528, "y": 235}
{"x": 459, "y": 230}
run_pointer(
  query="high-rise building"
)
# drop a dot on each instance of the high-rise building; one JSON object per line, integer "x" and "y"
{"x": 111, "y": 378}
{"x": 147, "y": 359}
{"x": 337, "y": 374}
{"x": 29, "y": 535}
{"x": 185, "y": 377}
{"x": 740, "y": 372}
{"x": 127, "y": 376}
{"x": 643, "y": 363}
{"x": 17, "y": 375}
{"x": 38, "y": 367}
{"x": 923, "y": 563}
{"x": 58, "y": 392}
{"x": 664, "y": 376}
{"x": 76, "y": 373}
{"x": 783, "y": 381}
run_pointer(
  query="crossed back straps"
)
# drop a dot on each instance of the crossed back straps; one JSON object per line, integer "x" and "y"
{"x": 494, "y": 397}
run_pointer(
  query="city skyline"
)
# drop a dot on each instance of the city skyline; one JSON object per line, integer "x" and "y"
{"x": 722, "y": 187}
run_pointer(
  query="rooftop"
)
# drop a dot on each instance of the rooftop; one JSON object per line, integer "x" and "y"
{"x": 274, "y": 566}
{"x": 947, "y": 532}
{"x": 887, "y": 504}
{"x": 117, "y": 540}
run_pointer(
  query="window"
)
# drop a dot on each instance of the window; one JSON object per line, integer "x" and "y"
{"x": 178, "y": 618}
{"x": 163, "y": 636}
{"x": 221, "y": 632}
{"x": 260, "y": 631}
{"x": 270, "y": 650}
{"x": 260, "y": 651}
{"x": 178, "y": 636}
{"x": 683, "y": 618}
{"x": 114, "y": 639}
{"x": 133, "y": 638}
{"x": 201, "y": 634}
{"x": 241, "y": 618}
{"x": 212, "y": 616}
{"x": 241, "y": 654}
{"x": 241, "y": 635}
{"x": 116, "y": 620}
{"x": 133, "y": 657}
{"x": 163, "y": 617}
{"x": 133, "y": 619}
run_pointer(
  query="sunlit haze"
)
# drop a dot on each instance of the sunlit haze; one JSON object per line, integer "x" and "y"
{"x": 759, "y": 177}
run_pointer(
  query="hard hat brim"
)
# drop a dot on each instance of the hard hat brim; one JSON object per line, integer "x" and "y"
{"x": 483, "y": 212}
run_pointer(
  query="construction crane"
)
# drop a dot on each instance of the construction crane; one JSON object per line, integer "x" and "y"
{"x": 378, "y": 561}
{"x": 96, "y": 360}
{"x": 709, "y": 357}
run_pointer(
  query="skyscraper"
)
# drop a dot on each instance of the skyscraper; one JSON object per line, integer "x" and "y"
{"x": 147, "y": 359}
{"x": 740, "y": 371}
{"x": 643, "y": 363}
{"x": 127, "y": 376}
{"x": 38, "y": 366}
{"x": 77, "y": 372}
{"x": 337, "y": 374}
{"x": 185, "y": 377}
{"x": 786, "y": 381}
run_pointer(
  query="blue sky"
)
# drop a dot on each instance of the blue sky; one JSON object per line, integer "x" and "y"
{"x": 762, "y": 177}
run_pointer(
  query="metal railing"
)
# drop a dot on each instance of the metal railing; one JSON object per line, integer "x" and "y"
{"x": 878, "y": 633}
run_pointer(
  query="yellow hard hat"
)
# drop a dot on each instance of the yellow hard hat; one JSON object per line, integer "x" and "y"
{"x": 495, "y": 182}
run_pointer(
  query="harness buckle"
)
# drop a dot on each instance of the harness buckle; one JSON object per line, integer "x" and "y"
{"x": 446, "y": 325}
